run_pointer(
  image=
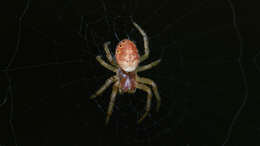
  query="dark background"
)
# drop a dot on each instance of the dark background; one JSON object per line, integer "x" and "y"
{"x": 208, "y": 78}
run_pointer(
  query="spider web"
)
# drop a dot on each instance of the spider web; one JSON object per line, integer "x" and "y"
{"x": 49, "y": 71}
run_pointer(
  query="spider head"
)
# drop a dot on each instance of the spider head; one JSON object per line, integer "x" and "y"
{"x": 127, "y": 55}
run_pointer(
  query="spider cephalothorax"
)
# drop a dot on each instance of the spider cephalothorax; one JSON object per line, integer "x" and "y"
{"x": 126, "y": 68}
{"x": 127, "y": 81}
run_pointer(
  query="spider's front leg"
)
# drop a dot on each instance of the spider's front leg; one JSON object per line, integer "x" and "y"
{"x": 146, "y": 42}
{"x": 112, "y": 101}
{"x": 155, "y": 89}
{"x": 104, "y": 86}
{"x": 148, "y": 102}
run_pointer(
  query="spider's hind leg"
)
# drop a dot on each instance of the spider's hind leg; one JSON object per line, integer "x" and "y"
{"x": 108, "y": 53}
{"x": 148, "y": 66}
{"x": 106, "y": 65}
{"x": 146, "y": 42}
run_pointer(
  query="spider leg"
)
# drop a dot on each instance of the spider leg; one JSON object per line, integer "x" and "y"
{"x": 108, "y": 54}
{"x": 108, "y": 82}
{"x": 103, "y": 63}
{"x": 155, "y": 89}
{"x": 146, "y": 42}
{"x": 112, "y": 101}
{"x": 148, "y": 66}
{"x": 148, "y": 102}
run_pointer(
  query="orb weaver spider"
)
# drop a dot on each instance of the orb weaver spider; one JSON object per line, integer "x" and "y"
{"x": 126, "y": 68}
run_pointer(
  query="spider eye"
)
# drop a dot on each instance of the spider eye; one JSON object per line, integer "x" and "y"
{"x": 120, "y": 46}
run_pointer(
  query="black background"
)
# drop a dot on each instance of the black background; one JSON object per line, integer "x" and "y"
{"x": 208, "y": 78}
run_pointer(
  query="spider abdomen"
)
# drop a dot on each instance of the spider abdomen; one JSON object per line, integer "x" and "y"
{"x": 127, "y": 55}
{"x": 127, "y": 81}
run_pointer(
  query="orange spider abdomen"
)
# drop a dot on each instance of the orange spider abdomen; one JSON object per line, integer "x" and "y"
{"x": 127, "y": 55}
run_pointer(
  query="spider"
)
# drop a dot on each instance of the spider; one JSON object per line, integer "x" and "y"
{"x": 126, "y": 67}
